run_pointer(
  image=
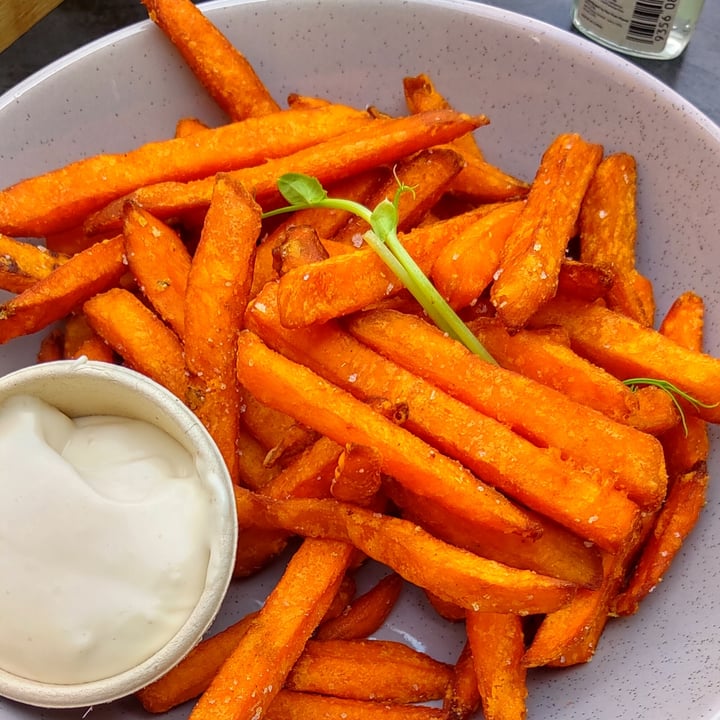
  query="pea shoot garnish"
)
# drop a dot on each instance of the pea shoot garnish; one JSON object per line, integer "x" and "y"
{"x": 303, "y": 191}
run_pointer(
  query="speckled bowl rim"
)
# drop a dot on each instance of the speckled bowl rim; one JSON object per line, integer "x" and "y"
{"x": 82, "y": 387}
{"x": 513, "y": 19}
{"x": 662, "y": 663}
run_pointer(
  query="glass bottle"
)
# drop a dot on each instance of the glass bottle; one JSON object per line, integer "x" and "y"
{"x": 658, "y": 29}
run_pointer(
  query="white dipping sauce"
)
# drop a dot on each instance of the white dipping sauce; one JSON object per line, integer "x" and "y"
{"x": 104, "y": 542}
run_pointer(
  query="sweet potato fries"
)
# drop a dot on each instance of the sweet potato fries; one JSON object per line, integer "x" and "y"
{"x": 527, "y": 500}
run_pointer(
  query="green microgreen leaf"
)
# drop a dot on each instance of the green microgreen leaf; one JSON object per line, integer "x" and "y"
{"x": 673, "y": 391}
{"x": 303, "y": 191}
{"x": 299, "y": 189}
{"x": 401, "y": 188}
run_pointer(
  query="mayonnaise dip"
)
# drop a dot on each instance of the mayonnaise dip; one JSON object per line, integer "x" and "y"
{"x": 104, "y": 542}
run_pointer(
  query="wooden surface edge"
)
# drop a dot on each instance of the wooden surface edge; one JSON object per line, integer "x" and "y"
{"x": 18, "y": 16}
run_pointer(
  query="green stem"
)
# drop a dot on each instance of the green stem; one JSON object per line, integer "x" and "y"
{"x": 435, "y": 304}
{"x": 304, "y": 192}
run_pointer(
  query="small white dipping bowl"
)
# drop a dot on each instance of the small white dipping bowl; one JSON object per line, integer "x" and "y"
{"x": 81, "y": 387}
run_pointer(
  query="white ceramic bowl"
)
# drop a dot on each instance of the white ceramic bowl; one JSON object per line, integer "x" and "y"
{"x": 533, "y": 81}
{"x": 80, "y": 388}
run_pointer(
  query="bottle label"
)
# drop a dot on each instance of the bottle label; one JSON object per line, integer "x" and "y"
{"x": 640, "y": 24}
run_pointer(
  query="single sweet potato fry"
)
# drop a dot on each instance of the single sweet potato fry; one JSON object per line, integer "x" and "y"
{"x": 298, "y": 391}
{"x": 80, "y": 340}
{"x": 656, "y": 412}
{"x": 533, "y": 410}
{"x": 346, "y": 592}
{"x": 686, "y": 446}
{"x": 141, "y": 339}
{"x": 64, "y": 289}
{"x": 674, "y": 522}
{"x": 428, "y": 172}
{"x": 607, "y": 223}
{"x": 380, "y": 670}
{"x": 265, "y": 423}
{"x": 497, "y": 644}
{"x": 478, "y": 179}
{"x": 73, "y": 240}
{"x": 299, "y": 246}
{"x": 252, "y": 472}
{"x": 358, "y": 475}
{"x": 22, "y": 264}
{"x": 223, "y": 70}
{"x": 188, "y": 125}
{"x": 531, "y": 259}
{"x": 632, "y": 295}
{"x": 453, "y": 574}
{"x": 365, "y": 614}
{"x": 447, "y": 610}
{"x": 61, "y": 199}
{"x": 583, "y": 281}
{"x": 192, "y": 675}
{"x": 160, "y": 263}
{"x": 564, "y": 638}
{"x": 608, "y": 230}
{"x": 482, "y": 182}
{"x": 684, "y": 322}
{"x": 51, "y": 346}
{"x": 305, "y": 101}
{"x": 258, "y": 666}
{"x": 464, "y": 268}
{"x": 218, "y": 287}
{"x": 380, "y": 142}
{"x": 258, "y": 548}
{"x": 462, "y": 698}
{"x": 628, "y": 349}
{"x": 421, "y": 95}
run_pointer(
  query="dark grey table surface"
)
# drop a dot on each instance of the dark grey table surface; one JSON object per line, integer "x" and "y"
{"x": 695, "y": 74}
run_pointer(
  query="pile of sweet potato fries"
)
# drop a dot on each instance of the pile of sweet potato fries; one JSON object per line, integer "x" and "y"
{"x": 530, "y": 499}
